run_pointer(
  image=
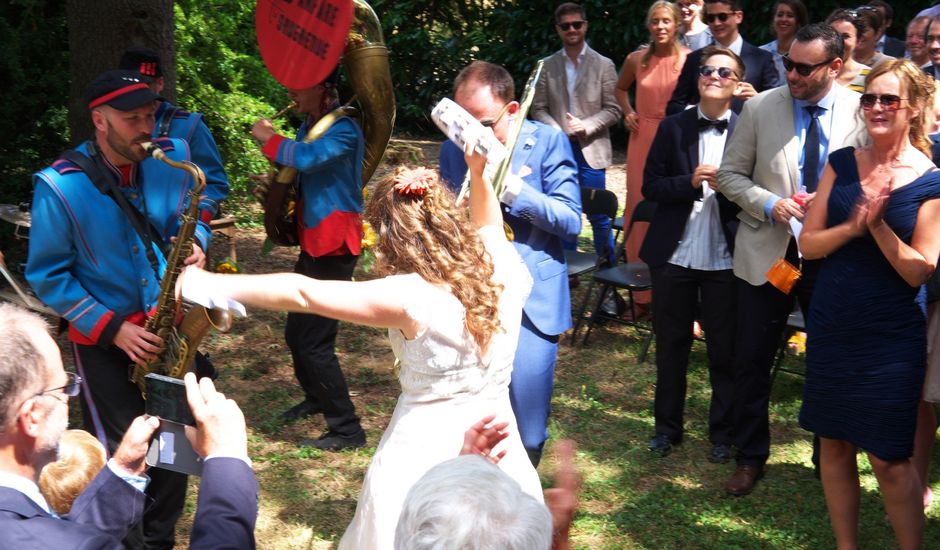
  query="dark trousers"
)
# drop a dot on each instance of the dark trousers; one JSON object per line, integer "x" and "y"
{"x": 312, "y": 342}
{"x": 110, "y": 402}
{"x": 677, "y": 295}
{"x": 762, "y": 317}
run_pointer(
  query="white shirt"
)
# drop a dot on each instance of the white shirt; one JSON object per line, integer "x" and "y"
{"x": 734, "y": 46}
{"x": 703, "y": 244}
{"x": 571, "y": 72}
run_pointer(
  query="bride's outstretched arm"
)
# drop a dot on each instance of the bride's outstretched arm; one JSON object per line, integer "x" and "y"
{"x": 376, "y": 303}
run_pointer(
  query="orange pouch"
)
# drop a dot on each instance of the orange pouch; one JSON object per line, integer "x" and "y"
{"x": 783, "y": 275}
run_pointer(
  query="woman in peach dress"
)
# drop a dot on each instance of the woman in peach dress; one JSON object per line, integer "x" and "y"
{"x": 655, "y": 70}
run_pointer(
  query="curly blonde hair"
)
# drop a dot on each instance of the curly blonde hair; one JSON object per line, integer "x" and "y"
{"x": 919, "y": 89}
{"x": 425, "y": 233}
{"x": 81, "y": 458}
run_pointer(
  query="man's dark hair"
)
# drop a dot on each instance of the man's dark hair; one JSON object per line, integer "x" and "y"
{"x": 711, "y": 51}
{"x": 484, "y": 73}
{"x": 569, "y": 8}
{"x": 832, "y": 40}
{"x": 889, "y": 11}
{"x": 735, "y": 5}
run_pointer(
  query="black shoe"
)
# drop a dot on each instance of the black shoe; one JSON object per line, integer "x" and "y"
{"x": 720, "y": 453}
{"x": 332, "y": 441}
{"x": 660, "y": 445}
{"x": 301, "y": 410}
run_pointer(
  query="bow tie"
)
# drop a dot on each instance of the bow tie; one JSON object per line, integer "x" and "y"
{"x": 705, "y": 124}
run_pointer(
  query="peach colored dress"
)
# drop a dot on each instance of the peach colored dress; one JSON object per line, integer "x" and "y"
{"x": 654, "y": 86}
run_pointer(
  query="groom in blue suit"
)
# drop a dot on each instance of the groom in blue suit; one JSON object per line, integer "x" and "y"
{"x": 541, "y": 203}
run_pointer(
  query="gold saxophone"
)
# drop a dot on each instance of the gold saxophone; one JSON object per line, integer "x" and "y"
{"x": 180, "y": 342}
{"x": 367, "y": 66}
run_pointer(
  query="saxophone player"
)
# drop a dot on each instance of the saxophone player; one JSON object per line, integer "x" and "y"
{"x": 102, "y": 213}
{"x": 329, "y": 230}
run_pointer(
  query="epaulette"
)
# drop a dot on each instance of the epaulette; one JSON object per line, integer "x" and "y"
{"x": 164, "y": 143}
{"x": 64, "y": 166}
{"x": 180, "y": 113}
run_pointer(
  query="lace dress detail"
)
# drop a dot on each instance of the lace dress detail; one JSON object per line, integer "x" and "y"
{"x": 446, "y": 386}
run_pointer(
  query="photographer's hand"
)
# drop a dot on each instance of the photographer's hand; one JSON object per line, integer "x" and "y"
{"x": 220, "y": 425}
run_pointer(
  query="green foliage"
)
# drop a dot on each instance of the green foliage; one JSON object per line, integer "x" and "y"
{"x": 34, "y": 89}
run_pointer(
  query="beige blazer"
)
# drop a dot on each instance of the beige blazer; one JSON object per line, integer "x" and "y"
{"x": 761, "y": 160}
{"x": 596, "y": 105}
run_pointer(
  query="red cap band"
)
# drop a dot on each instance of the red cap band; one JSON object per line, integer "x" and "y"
{"x": 116, "y": 93}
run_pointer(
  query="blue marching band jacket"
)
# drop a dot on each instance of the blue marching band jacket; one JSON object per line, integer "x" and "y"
{"x": 86, "y": 260}
{"x": 174, "y": 122}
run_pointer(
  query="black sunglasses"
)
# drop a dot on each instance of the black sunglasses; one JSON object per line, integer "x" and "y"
{"x": 802, "y": 68}
{"x": 491, "y": 123}
{"x": 724, "y": 73}
{"x": 567, "y": 26}
{"x": 889, "y": 102}
{"x": 710, "y": 17}
{"x": 71, "y": 389}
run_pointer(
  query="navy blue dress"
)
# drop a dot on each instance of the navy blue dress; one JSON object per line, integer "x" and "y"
{"x": 866, "y": 347}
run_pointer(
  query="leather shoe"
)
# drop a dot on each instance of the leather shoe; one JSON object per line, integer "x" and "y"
{"x": 744, "y": 479}
{"x": 660, "y": 445}
{"x": 720, "y": 453}
{"x": 332, "y": 441}
{"x": 301, "y": 410}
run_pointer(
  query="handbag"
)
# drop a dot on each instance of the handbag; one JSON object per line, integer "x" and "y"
{"x": 783, "y": 275}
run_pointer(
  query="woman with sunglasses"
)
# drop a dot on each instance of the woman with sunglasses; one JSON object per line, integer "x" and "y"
{"x": 866, "y": 46}
{"x": 655, "y": 70}
{"x": 789, "y": 16}
{"x": 875, "y": 221}
{"x": 850, "y": 26}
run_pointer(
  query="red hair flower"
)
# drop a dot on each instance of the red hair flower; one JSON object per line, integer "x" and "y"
{"x": 414, "y": 181}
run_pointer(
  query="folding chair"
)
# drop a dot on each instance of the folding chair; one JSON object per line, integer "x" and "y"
{"x": 593, "y": 201}
{"x": 630, "y": 276}
{"x": 795, "y": 323}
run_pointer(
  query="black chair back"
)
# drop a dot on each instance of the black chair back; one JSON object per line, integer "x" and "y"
{"x": 598, "y": 201}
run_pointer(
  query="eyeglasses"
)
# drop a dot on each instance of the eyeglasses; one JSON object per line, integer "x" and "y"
{"x": 70, "y": 389}
{"x": 889, "y": 102}
{"x": 710, "y": 17}
{"x": 724, "y": 73}
{"x": 491, "y": 123}
{"x": 567, "y": 26}
{"x": 802, "y": 68}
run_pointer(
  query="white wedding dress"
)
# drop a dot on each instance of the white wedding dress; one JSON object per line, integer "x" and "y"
{"x": 446, "y": 388}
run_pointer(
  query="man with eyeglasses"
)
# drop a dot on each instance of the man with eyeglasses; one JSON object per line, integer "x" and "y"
{"x": 688, "y": 248}
{"x": 542, "y": 205}
{"x": 770, "y": 169}
{"x": 723, "y": 18}
{"x": 33, "y": 417}
{"x": 576, "y": 95}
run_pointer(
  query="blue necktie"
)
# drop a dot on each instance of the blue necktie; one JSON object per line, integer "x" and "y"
{"x": 811, "y": 150}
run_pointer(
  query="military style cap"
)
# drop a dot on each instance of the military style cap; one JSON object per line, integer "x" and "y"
{"x": 123, "y": 90}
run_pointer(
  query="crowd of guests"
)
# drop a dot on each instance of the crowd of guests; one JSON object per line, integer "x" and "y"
{"x": 798, "y": 172}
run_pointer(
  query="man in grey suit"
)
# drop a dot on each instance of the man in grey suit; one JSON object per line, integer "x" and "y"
{"x": 770, "y": 169}
{"x": 576, "y": 95}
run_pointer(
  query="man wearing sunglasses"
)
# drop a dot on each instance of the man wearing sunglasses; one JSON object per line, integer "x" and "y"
{"x": 576, "y": 95}
{"x": 33, "y": 416}
{"x": 723, "y": 18}
{"x": 542, "y": 204}
{"x": 770, "y": 169}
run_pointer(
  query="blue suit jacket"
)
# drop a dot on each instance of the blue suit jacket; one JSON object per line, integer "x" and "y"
{"x": 227, "y": 507}
{"x": 759, "y": 70}
{"x": 546, "y": 212}
{"x": 667, "y": 180}
{"x": 101, "y": 516}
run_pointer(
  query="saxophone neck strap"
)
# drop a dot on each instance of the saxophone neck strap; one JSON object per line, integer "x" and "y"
{"x": 101, "y": 177}
{"x": 166, "y": 119}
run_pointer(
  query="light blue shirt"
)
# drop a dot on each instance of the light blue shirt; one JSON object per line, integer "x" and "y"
{"x": 801, "y": 120}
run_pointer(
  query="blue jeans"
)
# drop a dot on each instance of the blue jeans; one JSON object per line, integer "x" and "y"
{"x": 595, "y": 179}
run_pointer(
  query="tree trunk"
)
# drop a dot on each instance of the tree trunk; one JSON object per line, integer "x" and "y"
{"x": 99, "y": 32}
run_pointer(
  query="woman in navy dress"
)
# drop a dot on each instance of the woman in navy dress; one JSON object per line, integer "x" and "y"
{"x": 876, "y": 221}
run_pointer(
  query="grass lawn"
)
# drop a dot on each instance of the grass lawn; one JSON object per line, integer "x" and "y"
{"x": 603, "y": 401}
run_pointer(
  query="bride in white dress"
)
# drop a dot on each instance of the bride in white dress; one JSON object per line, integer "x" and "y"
{"x": 452, "y": 302}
